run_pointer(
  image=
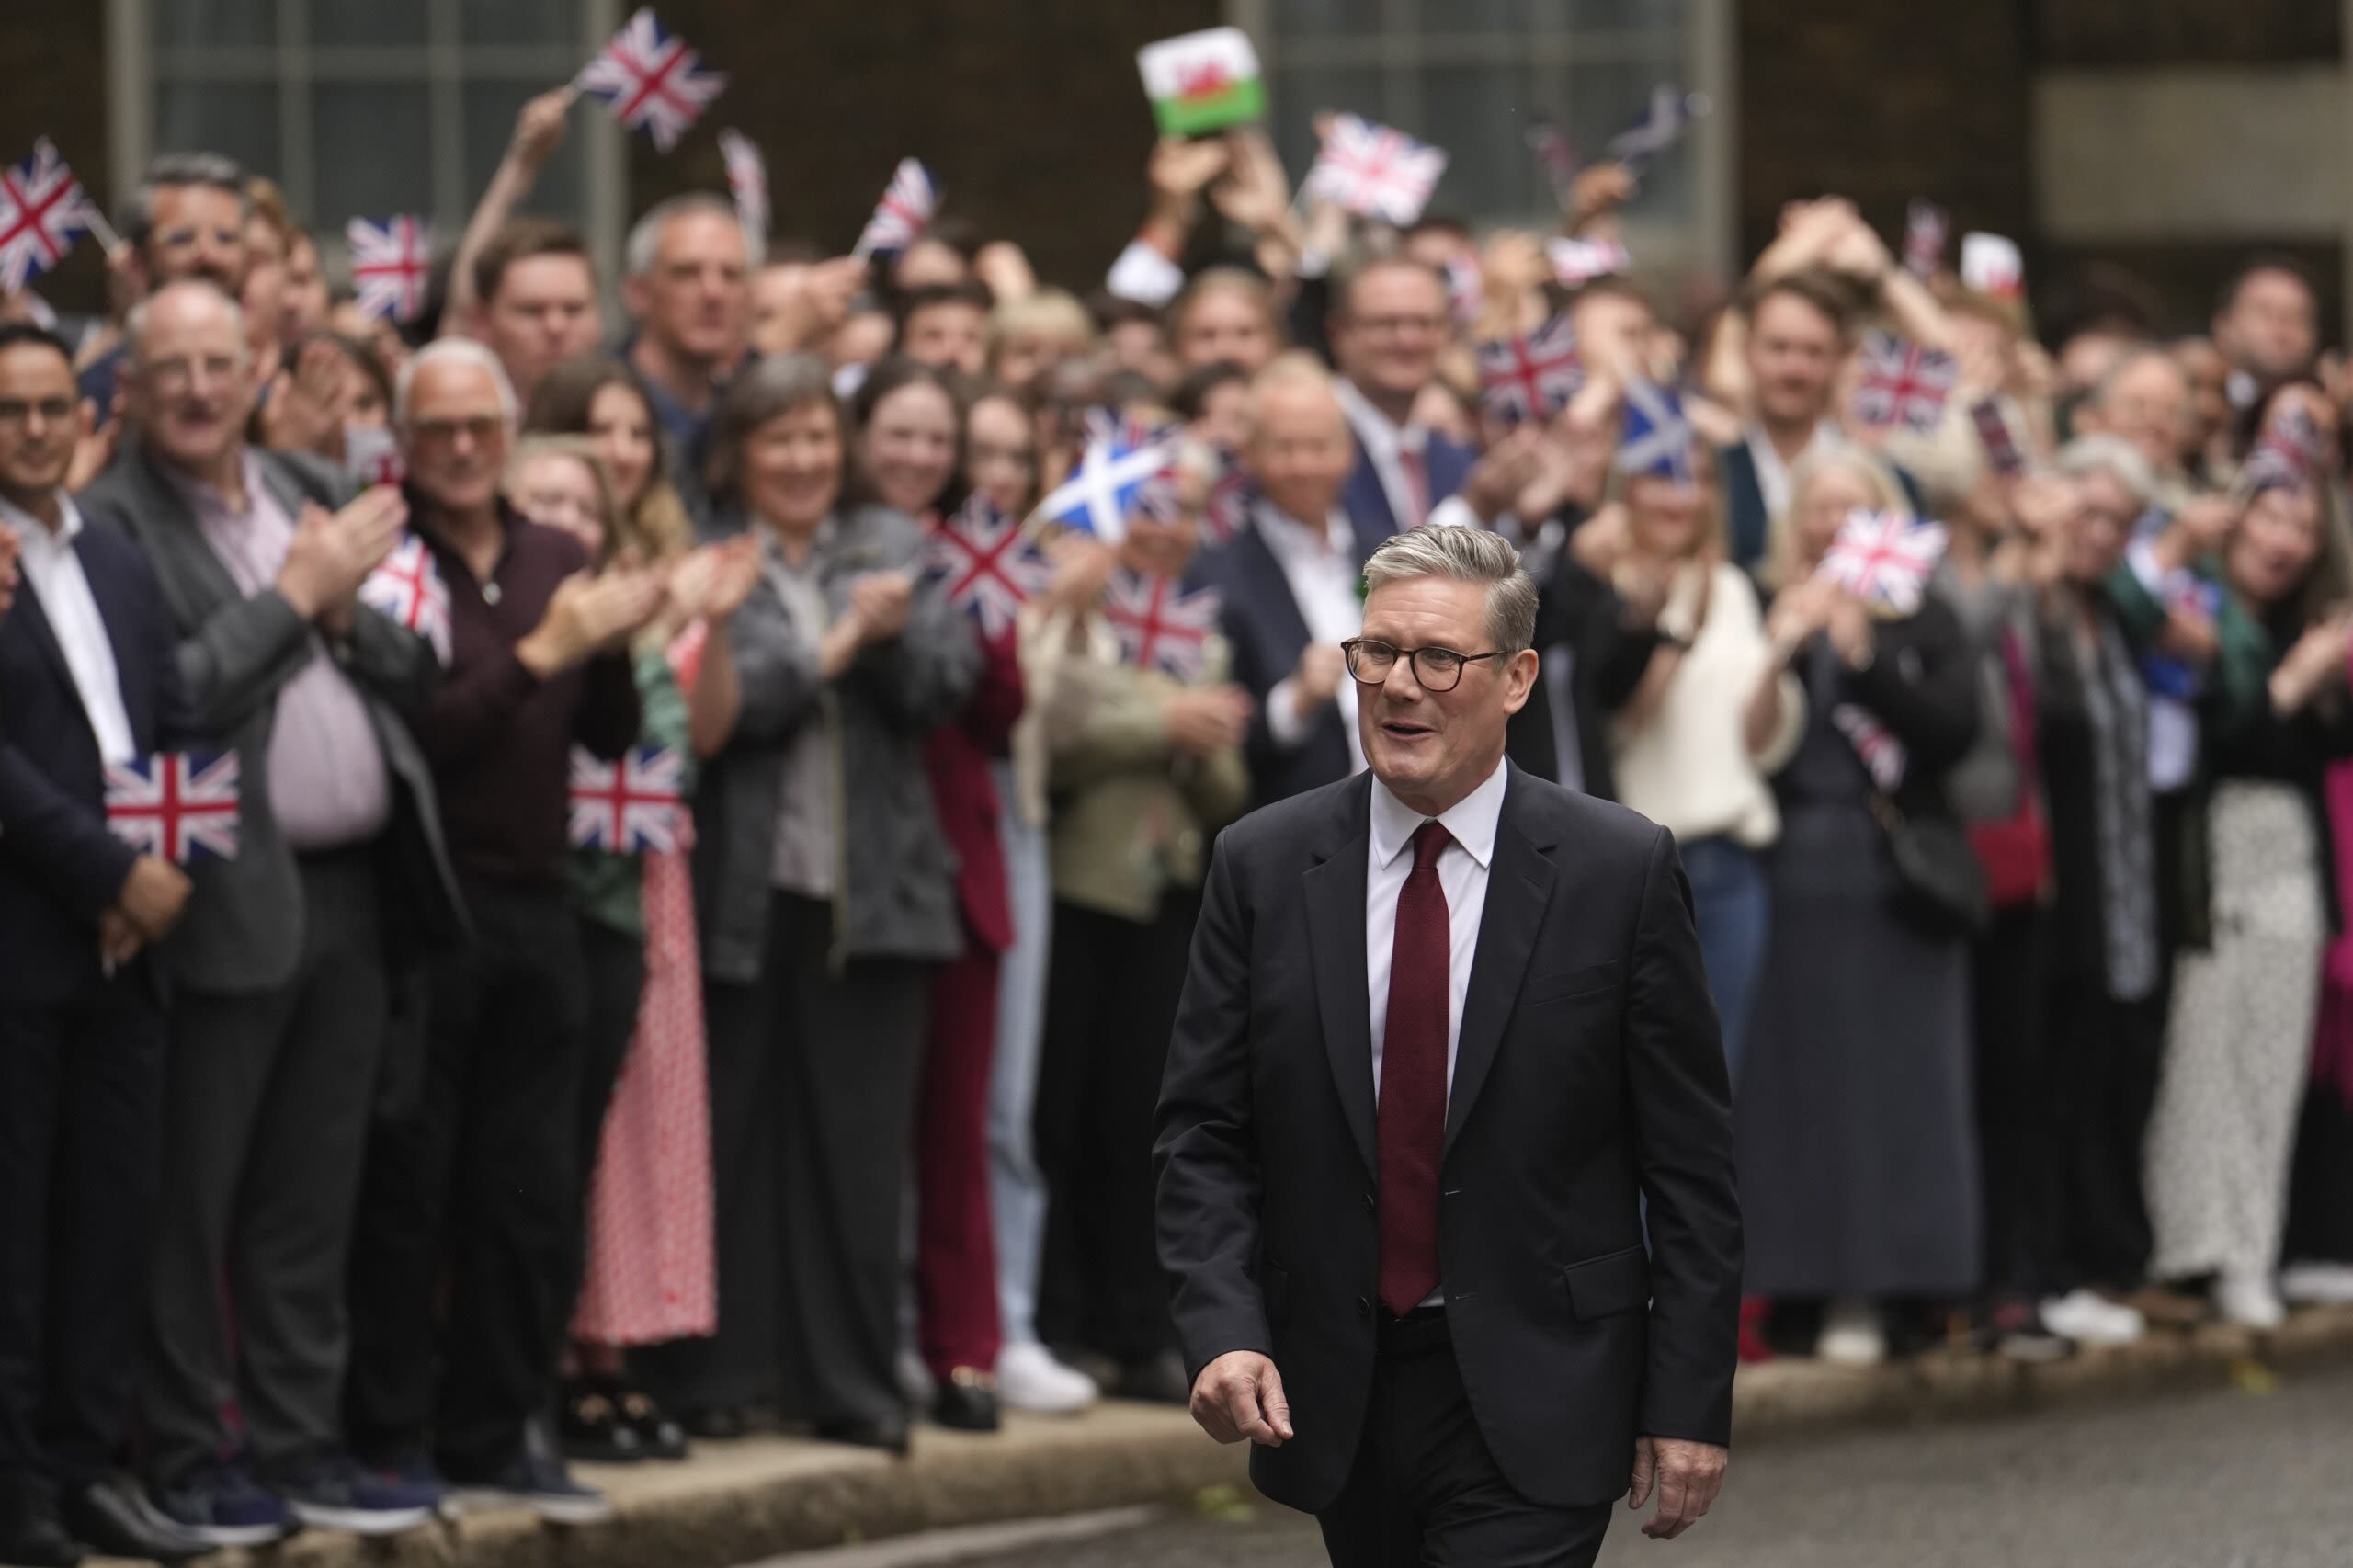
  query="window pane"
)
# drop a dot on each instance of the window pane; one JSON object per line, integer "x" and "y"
{"x": 215, "y": 23}
{"x": 371, "y": 147}
{"x": 490, "y": 109}
{"x": 521, "y": 22}
{"x": 236, "y": 117}
{"x": 1478, "y": 115}
{"x": 1605, "y": 100}
{"x": 1319, "y": 18}
{"x": 337, "y": 24}
{"x": 1442, "y": 16}
{"x": 1669, "y": 17}
{"x": 1300, "y": 95}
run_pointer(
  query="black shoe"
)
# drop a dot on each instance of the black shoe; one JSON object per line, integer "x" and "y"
{"x": 30, "y": 1532}
{"x": 592, "y": 1429}
{"x": 116, "y": 1520}
{"x": 539, "y": 1483}
{"x": 719, "y": 1424}
{"x": 1155, "y": 1380}
{"x": 888, "y": 1432}
{"x": 658, "y": 1436}
{"x": 966, "y": 1402}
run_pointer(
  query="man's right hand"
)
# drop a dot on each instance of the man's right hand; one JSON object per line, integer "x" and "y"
{"x": 1322, "y": 668}
{"x": 1240, "y": 1395}
{"x": 1208, "y": 720}
{"x": 588, "y": 615}
{"x": 332, "y": 552}
{"x": 154, "y": 895}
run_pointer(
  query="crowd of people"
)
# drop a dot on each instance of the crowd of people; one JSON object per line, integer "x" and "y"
{"x": 415, "y": 1148}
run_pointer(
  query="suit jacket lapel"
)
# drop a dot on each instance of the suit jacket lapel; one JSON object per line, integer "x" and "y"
{"x": 1335, "y": 917}
{"x": 1519, "y": 885}
{"x": 195, "y": 582}
{"x": 122, "y": 639}
{"x": 28, "y": 614}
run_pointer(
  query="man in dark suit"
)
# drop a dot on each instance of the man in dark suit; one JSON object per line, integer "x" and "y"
{"x": 1445, "y": 1031}
{"x": 1288, "y": 583}
{"x": 1391, "y": 325}
{"x": 87, "y": 678}
{"x": 281, "y": 994}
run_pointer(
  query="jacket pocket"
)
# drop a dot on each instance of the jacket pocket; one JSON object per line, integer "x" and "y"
{"x": 1614, "y": 1282}
{"x": 1564, "y": 985}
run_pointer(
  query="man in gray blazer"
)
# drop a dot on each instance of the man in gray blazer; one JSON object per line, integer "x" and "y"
{"x": 288, "y": 967}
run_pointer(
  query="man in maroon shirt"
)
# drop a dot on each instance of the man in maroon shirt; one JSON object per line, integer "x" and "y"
{"x": 473, "y": 1168}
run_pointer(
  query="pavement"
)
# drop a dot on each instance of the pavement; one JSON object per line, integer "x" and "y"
{"x": 741, "y": 1502}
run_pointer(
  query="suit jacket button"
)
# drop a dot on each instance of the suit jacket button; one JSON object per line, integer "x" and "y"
{"x": 1364, "y": 1307}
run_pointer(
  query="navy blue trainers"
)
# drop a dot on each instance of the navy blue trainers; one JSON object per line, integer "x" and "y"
{"x": 223, "y": 1504}
{"x": 540, "y": 1483}
{"x": 330, "y": 1490}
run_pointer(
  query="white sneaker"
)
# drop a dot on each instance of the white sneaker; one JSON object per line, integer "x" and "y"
{"x": 2089, "y": 1318}
{"x": 1852, "y": 1335}
{"x": 2248, "y": 1301}
{"x": 915, "y": 1381}
{"x": 2318, "y": 1284}
{"x": 1029, "y": 1378}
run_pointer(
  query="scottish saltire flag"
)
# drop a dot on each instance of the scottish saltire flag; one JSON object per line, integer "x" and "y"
{"x": 1551, "y": 146}
{"x": 1159, "y": 625}
{"x": 390, "y": 262}
{"x": 1883, "y": 757}
{"x": 747, "y": 180}
{"x": 1664, "y": 121}
{"x": 181, "y": 806}
{"x": 630, "y": 807}
{"x": 986, "y": 564}
{"x": 651, "y": 80}
{"x": 1579, "y": 262}
{"x": 1904, "y": 383}
{"x": 2187, "y": 594}
{"x": 1655, "y": 439}
{"x": 1374, "y": 171}
{"x": 407, "y": 590}
{"x": 42, "y": 212}
{"x": 1121, "y": 463}
{"x": 1530, "y": 376}
{"x": 1925, "y": 228}
{"x": 903, "y": 213}
{"x": 2002, "y": 453}
{"x": 1884, "y": 559}
{"x": 2288, "y": 450}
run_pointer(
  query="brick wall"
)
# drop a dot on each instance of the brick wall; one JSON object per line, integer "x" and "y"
{"x": 52, "y": 83}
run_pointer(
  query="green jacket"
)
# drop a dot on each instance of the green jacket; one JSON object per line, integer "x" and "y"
{"x": 608, "y": 888}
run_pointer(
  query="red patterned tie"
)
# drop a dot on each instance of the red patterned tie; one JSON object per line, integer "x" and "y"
{"x": 1413, "y": 1080}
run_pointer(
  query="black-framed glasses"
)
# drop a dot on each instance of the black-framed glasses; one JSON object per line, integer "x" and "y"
{"x": 1435, "y": 669}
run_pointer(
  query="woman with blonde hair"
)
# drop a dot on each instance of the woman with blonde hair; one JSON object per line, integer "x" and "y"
{"x": 1030, "y": 335}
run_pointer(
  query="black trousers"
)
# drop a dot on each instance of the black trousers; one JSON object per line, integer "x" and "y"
{"x": 81, "y": 1137}
{"x": 613, "y": 965}
{"x": 813, "y": 1099}
{"x": 2107, "y": 1055}
{"x": 2017, "y": 1136}
{"x": 474, "y": 1180}
{"x": 1424, "y": 1491}
{"x": 1111, "y": 997}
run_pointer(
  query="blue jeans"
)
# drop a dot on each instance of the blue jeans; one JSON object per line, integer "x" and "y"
{"x": 1017, "y": 1189}
{"x": 1734, "y": 904}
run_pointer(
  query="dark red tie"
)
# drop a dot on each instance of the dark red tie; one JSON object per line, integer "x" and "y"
{"x": 1413, "y": 1080}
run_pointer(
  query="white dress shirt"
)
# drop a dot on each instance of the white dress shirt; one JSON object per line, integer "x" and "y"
{"x": 1461, "y": 871}
{"x": 51, "y": 564}
{"x": 1321, "y": 570}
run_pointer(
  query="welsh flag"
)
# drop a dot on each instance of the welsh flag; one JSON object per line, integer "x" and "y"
{"x": 1202, "y": 81}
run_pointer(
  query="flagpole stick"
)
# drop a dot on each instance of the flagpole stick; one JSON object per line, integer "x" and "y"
{"x": 103, "y": 231}
{"x": 860, "y": 251}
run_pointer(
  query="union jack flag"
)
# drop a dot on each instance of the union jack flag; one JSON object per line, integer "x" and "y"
{"x": 652, "y": 79}
{"x": 1551, "y": 146}
{"x": 1655, "y": 439}
{"x": 747, "y": 178}
{"x": 1160, "y": 626}
{"x": 407, "y": 590}
{"x": 1663, "y": 120}
{"x": 42, "y": 212}
{"x": 630, "y": 807}
{"x": 1579, "y": 262}
{"x": 1925, "y": 228}
{"x": 1228, "y": 507}
{"x": 389, "y": 265}
{"x": 1904, "y": 383}
{"x": 1375, "y": 171}
{"x": 1533, "y": 377}
{"x": 181, "y": 806}
{"x": 1122, "y": 467}
{"x": 2289, "y": 451}
{"x": 1996, "y": 435}
{"x": 988, "y": 564}
{"x": 1466, "y": 285}
{"x": 1884, "y": 558}
{"x": 903, "y": 213}
{"x": 1883, "y": 757}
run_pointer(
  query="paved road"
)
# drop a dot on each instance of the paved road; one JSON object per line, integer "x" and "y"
{"x": 2226, "y": 1480}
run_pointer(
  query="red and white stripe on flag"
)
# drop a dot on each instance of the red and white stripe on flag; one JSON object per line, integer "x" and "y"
{"x": 631, "y": 806}
{"x": 407, "y": 590}
{"x": 652, "y": 79}
{"x": 1160, "y": 626}
{"x": 903, "y": 213}
{"x": 1375, "y": 171}
{"x": 1530, "y": 376}
{"x": 985, "y": 564}
{"x": 42, "y": 212}
{"x": 390, "y": 263}
{"x": 1904, "y": 383}
{"x": 181, "y": 806}
{"x": 1884, "y": 559}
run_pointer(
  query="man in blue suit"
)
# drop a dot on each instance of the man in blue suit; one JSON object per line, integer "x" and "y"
{"x": 1387, "y": 333}
{"x": 87, "y": 677}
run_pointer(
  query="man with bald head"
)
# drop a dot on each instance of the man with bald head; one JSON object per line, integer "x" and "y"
{"x": 1288, "y": 581}
{"x": 470, "y": 1171}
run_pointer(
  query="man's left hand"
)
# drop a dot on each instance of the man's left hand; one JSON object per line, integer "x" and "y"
{"x": 1686, "y": 1476}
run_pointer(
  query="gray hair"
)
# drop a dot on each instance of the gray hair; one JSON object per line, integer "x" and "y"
{"x": 454, "y": 351}
{"x": 2130, "y": 361}
{"x": 1467, "y": 555}
{"x": 134, "y": 326}
{"x": 2116, "y": 457}
{"x": 645, "y": 236}
{"x": 215, "y": 170}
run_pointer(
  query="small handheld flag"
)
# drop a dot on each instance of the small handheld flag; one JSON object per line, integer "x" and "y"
{"x": 1533, "y": 377}
{"x": 2002, "y": 453}
{"x": 371, "y": 454}
{"x": 902, "y": 214}
{"x": 2287, "y": 452}
{"x": 1991, "y": 265}
{"x": 1120, "y": 461}
{"x": 181, "y": 806}
{"x": 987, "y": 564}
{"x": 1160, "y": 626}
{"x": 1228, "y": 505}
{"x": 652, "y": 79}
{"x": 1466, "y": 285}
{"x": 1884, "y": 559}
{"x": 42, "y": 212}
{"x": 629, "y": 807}
{"x": 1579, "y": 262}
{"x": 747, "y": 178}
{"x": 1551, "y": 146}
{"x": 1904, "y": 383}
{"x": 389, "y": 264}
{"x": 1925, "y": 228}
{"x": 2183, "y": 592}
{"x": 1202, "y": 81}
{"x": 1883, "y": 755}
{"x": 1664, "y": 121}
{"x": 407, "y": 590}
{"x": 1374, "y": 171}
{"x": 1656, "y": 438}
